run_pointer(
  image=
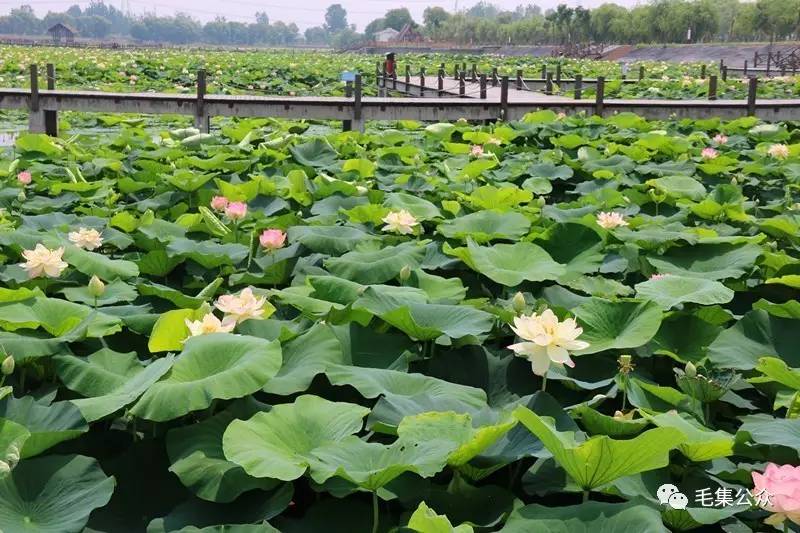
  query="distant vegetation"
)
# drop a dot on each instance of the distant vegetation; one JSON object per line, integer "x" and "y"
{"x": 659, "y": 21}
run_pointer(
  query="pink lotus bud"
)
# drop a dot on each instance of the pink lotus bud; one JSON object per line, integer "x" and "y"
{"x": 720, "y": 138}
{"x": 24, "y": 177}
{"x": 272, "y": 239}
{"x": 219, "y": 203}
{"x": 236, "y": 210}
{"x": 709, "y": 153}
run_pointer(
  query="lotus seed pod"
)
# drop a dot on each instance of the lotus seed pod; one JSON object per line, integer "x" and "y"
{"x": 625, "y": 359}
{"x": 8, "y": 366}
{"x": 690, "y": 370}
{"x": 518, "y": 302}
{"x": 96, "y": 287}
{"x": 405, "y": 273}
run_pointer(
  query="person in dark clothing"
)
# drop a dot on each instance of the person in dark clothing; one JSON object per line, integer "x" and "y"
{"x": 390, "y": 64}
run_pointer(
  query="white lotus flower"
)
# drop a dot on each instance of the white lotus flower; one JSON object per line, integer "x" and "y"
{"x": 88, "y": 239}
{"x": 42, "y": 261}
{"x": 546, "y": 340}
{"x": 241, "y": 307}
{"x": 401, "y": 222}
{"x": 778, "y": 151}
{"x": 210, "y": 324}
{"x": 610, "y": 220}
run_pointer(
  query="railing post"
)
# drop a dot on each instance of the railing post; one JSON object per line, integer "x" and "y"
{"x": 383, "y": 76}
{"x": 725, "y": 73}
{"x": 641, "y": 72}
{"x": 721, "y": 64}
{"x": 548, "y": 84}
{"x": 712, "y": 87}
{"x": 769, "y": 62}
{"x": 462, "y": 85}
{"x": 495, "y": 80}
{"x": 703, "y": 71}
{"x": 504, "y": 98}
{"x": 347, "y": 125}
{"x": 51, "y": 117}
{"x": 578, "y": 86}
{"x": 599, "y": 94}
{"x": 408, "y": 78}
{"x": 544, "y": 71}
{"x": 440, "y": 81}
{"x": 744, "y": 73}
{"x": 455, "y": 71}
{"x": 358, "y": 122}
{"x": 558, "y": 72}
{"x": 519, "y": 79}
{"x": 483, "y": 86}
{"x": 752, "y": 87}
{"x": 201, "y": 120}
{"x": 422, "y": 81}
{"x": 378, "y": 74}
{"x": 474, "y": 72}
{"x": 35, "y": 116}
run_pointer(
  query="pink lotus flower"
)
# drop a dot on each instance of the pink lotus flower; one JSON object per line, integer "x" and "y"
{"x": 24, "y": 177}
{"x": 219, "y": 203}
{"x": 610, "y": 220}
{"x": 272, "y": 239}
{"x": 709, "y": 153}
{"x": 477, "y": 150}
{"x": 720, "y": 138}
{"x": 778, "y": 490}
{"x": 236, "y": 210}
{"x": 656, "y": 277}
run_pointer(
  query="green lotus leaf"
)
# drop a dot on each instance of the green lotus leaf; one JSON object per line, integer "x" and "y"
{"x": 115, "y": 292}
{"x": 699, "y": 443}
{"x": 316, "y": 153}
{"x": 377, "y": 266}
{"x": 12, "y": 440}
{"x": 485, "y": 226}
{"x": 622, "y": 324}
{"x": 170, "y": 330}
{"x": 425, "y": 520}
{"x": 708, "y": 261}
{"x": 671, "y": 291}
{"x": 600, "y": 459}
{"x": 214, "y": 366}
{"x": 421, "y": 208}
{"x": 207, "y": 253}
{"x": 109, "y": 380}
{"x": 757, "y": 334}
{"x": 48, "y": 423}
{"x": 279, "y": 443}
{"x": 57, "y": 317}
{"x": 331, "y": 240}
{"x": 53, "y": 494}
{"x": 588, "y": 517}
{"x": 775, "y": 369}
{"x": 511, "y": 264}
{"x": 96, "y": 264}
{"x": 598, "y": 423}
{"x": 680, "y": 187}
{"x": 769, "y": 431}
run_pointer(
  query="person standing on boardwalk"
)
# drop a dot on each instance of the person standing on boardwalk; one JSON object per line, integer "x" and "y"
{"x": 389, "y": 64}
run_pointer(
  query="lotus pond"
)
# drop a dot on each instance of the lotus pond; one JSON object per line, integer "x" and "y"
{"x": 559, "y": 324}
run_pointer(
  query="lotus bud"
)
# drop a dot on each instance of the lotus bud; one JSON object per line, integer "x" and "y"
{"x": 21, "y": 196}
{"x": 96, "y": 287}
{"x": 405, "y": 273}
{"x": 518, "y": 302}
{"x": 5, "y": 468}
{"x": 619, "y": 415}
{"x": 8, "y": 366}
{"x": 733, "y": 181}
{"x": 690, "y": 370}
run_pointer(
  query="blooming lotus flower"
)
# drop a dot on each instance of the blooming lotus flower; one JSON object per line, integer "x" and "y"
{"x": 210, "y": 324}
{"x": 241, "y": 307}
{"x": 709, "y": 153}
{"x": 24, "y": 177}
{"x": 778, "y": 151}
{"x": 561, "y": 115}
{"x": 656, "y": 277}
{"x": 272, "y": 239}
{"x": 236, "y": 210}
{"x": 219, "y": 203}
{"x": 720, "y": 138}
{"x": 476, "y": 151}
{"x": 88, "y": 239}
{"x": 610, "y": 220}
{"x": 401, "y": 222}
{"x": 778, "y": 490}
{"x": 42, "y": 261}
{"x": 546, "y": 340}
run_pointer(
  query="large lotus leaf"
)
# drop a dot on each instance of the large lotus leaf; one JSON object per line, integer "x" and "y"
{"x": 304, "y": 357}
{"x": 371, "y": 465}
{"x": 48, "y": 423}
{"x": 38, "y": 143}
{"x": 425, "y": 520}
{"x": 376, "y": 266}
{"x": 215, "y": 366}
{"x": 670, "y": 291}
{"x": 110, "y": 380}
{"x": 622, "y": 324}
{"x": 756, "y": 335}
{"x": 53, "y": 494}
{"x": 419, "y": 207}
{"x": 96, "y": 264}
{"x": 601, "y": 459}
{"x": 56, "y": 316}
{"x": 170, "y": 330}
{"x": 764, "y": 429}
{"x": 207, "y": 253}
{"x": 588, "y": 517}
{"x": 278, "y": 444}
{"x": 199, "y": 461}
{"x": 699, "y": 443}
{"x": 511, "y": 264}
{"x": 680, "y": 187}
{"x": 439, "y": 290}
{"x": 331, "y": 240}
{"x": 709, "y": 261}
{"x": 598, "y": 423}
{"x": 115, "y": 292}
{"x": 315, "y": 153}
{"x": 424, "y": 321}
{"x": 775, "y": 369}
{"x": 12, "y": 439}
{"x": 485, "y": 226}
{"x": 577, "y": 246}
{"x": 346, "y": 292}
{"x": 456, "y": 428}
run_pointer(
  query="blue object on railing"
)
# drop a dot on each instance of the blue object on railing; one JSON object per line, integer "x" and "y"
{"x": 348, "y": 76}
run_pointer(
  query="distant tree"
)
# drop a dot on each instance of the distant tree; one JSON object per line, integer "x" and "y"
{"x": 94, "y": 26}
{"x": 316, "y": 35}
{"x": 335, "y": 18}
{"x": 483, "y": 10}
{"x": 397, "y": 18}
{"x": 346, "y": 38}
{"x": 74, "y": 11}
{"x": 434, "y": 17}
{"x": 374, "y": 26}
{"x": 262, "y": 18}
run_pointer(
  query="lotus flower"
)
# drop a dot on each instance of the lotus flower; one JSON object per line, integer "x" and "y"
{"x": 241, "y": 307}
{"x": 655, "y": 277}
{"x": 546, "y": 340}
{"x": 219, "y": 203}
{"x": 42, "y": 261}
{"x": 401, "y": 222}
{"x": 778, "y": 490}
{"x": 88, "y": 239}
{"x": 210, "y": 324}
{"x": 720, "y": 139}
{"x": 709, "y": 153}
{"x": 610, "y": 220}
{"x": 778, "y": 151}
{"x": 236, "y": 210}
{"x": 24, "y": 177}
{"x": 272, "y": 239}
{"x": 476, "y": 151}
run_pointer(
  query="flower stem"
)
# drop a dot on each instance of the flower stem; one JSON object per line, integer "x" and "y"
{"x": 585, "y": 496}
{"x": 374, "y": 512}
{"x": 544, "y": 382}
